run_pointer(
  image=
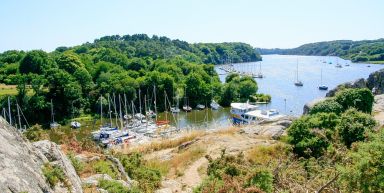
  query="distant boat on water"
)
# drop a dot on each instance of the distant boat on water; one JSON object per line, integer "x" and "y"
{"x": 322, "y": 86}
{"x": 298, "y": 82}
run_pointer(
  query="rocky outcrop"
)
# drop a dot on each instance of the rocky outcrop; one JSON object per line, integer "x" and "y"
{"x": 20, "y": 163}
{"x": 273, "y": 129}
{"x": 375, "y": 82}
{"x": 54, "y": 155}
{"x": 359, "y": 83}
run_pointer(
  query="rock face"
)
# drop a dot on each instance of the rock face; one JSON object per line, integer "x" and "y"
{"x": 375, "y": 82}
{"x": 359, "y": 83}
{"x": 20, "y": 163}
{"x": 54, "y": 155}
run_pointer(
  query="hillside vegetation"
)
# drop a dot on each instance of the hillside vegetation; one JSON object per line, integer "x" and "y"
{"x": 80, "y": 79}
{"x": 356, "y": 51}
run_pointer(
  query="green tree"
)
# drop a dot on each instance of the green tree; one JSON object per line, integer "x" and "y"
{"x": 35, "y": 61}
{"x": 327, "y": 106}
{"x": 362, "y": 99}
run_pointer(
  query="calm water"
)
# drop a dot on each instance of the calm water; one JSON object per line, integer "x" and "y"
{"x": 280, "y": 74}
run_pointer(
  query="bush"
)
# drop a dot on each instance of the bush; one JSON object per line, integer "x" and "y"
{"x": 105, "y": 167}
{"x": 362, "y": 99}
{"x": 354, "y": 125}
{"x": 36, "y": 133}
{"x": 327, "y": 106}
{"x": 54, "y": 174}
{"x": 261, "y": 98}
{"x": 230, "y": 173}
{"x": 116, "y": 187}
{"x": 365, "y": 172}
{"x": 310, "y": 135}
{"x": 148, "y": 178}
{"x": 77, "y": 164}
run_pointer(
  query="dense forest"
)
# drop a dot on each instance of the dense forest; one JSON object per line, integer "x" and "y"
{"x": 356, "y": 51}
{"x": 116, "y": 66}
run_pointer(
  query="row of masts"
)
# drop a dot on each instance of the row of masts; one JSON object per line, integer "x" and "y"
{"x": 7, "y": 115}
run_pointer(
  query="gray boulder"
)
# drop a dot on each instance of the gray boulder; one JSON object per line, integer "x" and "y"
{"x": 53, "y": 153}
{"x": 20, "y": 163}
{"x": 375, "y": 82}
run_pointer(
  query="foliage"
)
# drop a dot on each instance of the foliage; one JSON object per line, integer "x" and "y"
{"x": 53, "y": 174}
{"x": 35, "y": 133}
{"x": 310, "y": 134}
{"x": 75, "y": 77}
{"x": 361, "y": 98}
{"x": 259, "y": 97}
{"x": 354, "y": 125}
{"x": 113, "y": 186}
{"x": 327, "y": 106}
{"x": 364, "y": 171}
{"x": 148, "y": 178}
{"x": 77, "y": 164}
{"x": 105, "y": 167}
{"x": 357, "y": 51}
{"x": 231, "y": 173}
{"x": 238, "y": 88}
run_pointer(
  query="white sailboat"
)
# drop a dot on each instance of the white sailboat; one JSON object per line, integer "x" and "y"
{"x": 259, "y": 74}
{"x": 322, "y": 86}
{"x": 298, "y": 82}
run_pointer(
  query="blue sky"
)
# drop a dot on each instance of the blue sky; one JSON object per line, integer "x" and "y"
{"x": 47, "y": 24}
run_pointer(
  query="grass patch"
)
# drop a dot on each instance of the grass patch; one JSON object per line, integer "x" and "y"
{"x": 180, "y": 161}
{"x": 167, "y": 143}
{"x": 105, "y": 167}
{"x": 77, "y": 164}
{"x": 116, "y": 187}
{"x": 264, "y": 154}
{"x": 54, "y": 174}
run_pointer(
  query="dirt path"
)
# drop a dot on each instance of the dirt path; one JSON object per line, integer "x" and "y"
{"x": 192, "y": 177}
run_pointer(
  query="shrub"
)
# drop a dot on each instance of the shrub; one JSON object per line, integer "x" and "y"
{"x": 365, "y": 172}
{"x": 362, "y": 99}
{"x": 354, "y": 125}
{"x": 53, "y": 174}
{"x": 116, "y": 187}
{"x": 77, "y": 164}
{"x": 230, "y": 173}
{"x": 148, "y": 178}
{"x": 105, "y": 167}
{"x": 327, "y": 106}
{"x": 310, "y": 135}
{"x": 36, "y": 133}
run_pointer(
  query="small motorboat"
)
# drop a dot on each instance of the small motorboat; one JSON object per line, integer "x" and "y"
{"x": 369, "y": 66}
{"x": 75, "y": 124}
{"x": 151, "y": 114}
{"x": 323, "y": 87}
{"x": 338, "y": 66}
{"x": 175, "y": 110}
{"x": 214, "y": 105}
{"x": 200, "y": 106}
{"x": 187, "y": 108}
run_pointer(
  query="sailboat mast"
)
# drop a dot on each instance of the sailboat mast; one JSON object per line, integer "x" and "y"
{"x": 297, "y": 70}
{"x": 165, "y": 105}
{"x": 120, "y": 113}
{"x": 145, "y": 107}
{"x": 154, "y": 93}
{"x": 321, "y": 76}
{"x": 101, "y": 110}
{"x": 109, "y": 109}
{"x": 125, "y": 104}
{"x": 114, "y": 107}
{"x": 18, "y": 114}
{"x": 140, "y": 104}
{"x": 9, "y": 111}
{"x": 53, "y": 114}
